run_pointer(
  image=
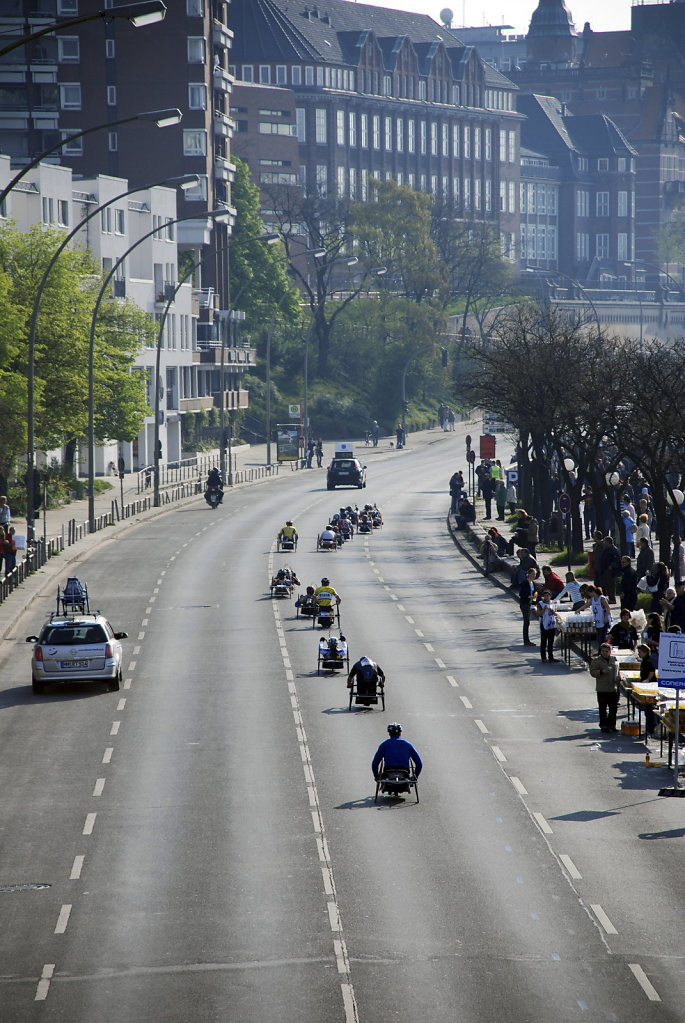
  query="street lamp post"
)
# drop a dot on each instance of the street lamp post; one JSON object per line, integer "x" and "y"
{"x": 268, "y": 374}
{"x": 184, "y": 180}
{"x": 145, "y": 12}
{"x": 212, "y": 215}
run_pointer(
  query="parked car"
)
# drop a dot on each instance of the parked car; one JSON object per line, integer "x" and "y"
{"x": 76, "y": 648}
{"x": 346, "y": 472}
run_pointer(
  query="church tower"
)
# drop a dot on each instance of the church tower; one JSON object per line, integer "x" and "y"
{"x": 552, "y": 37}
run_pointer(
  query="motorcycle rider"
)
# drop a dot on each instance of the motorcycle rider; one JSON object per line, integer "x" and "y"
{"x": 398, "y": 754}
{"x": 214, "y": 480}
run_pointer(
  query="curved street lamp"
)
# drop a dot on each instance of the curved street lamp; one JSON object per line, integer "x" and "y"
{"x": 186, "y": 180}
{"x": 145, "y": 12}
{"x": 214, "y": 215}
{"x": 162, "y": 118}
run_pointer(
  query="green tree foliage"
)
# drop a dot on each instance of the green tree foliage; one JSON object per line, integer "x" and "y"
{"x": 393, "y": 230}
{"x": 62, "y": 346}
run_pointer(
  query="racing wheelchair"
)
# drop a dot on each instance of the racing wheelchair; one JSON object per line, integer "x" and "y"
{"x": 73, "y": 597}
{"x": 394, "y": 781}
{"x": 332, "y": 659}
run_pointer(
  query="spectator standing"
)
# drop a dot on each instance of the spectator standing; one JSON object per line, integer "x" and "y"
{"x": 645, "y": 558}
{"x": 10, "y": 551}
{"x": 573, "y": 591}
{"x": 399, "y": 437}
{"x": 512, "y": 497}
{"x": 643, "y": 529}
{"x": 310, "y": 452}
{"x": 678, "y": 558}
{"x": 526, "y": 562}
{"x": 629, "y": 527}
{"x": 526, "y": 601}
{"x": 610, "y": 567}
{"x": 487, "y": 488}
{"x": 676, "y": 606}
{"x": 601, "y": 612}
{"x": 647, "y": 674}
{"x": 456, "y": 485}
{"x": 604, "y": 670}
{"x": 627, "y": 588}
{"x": 501, "y": 499}
{"x": 532, "y": 534}
{"x": 652, "y": 634}
{"x": 658, "y": 580}
{"x": 596, "y": 555}
{"x": 374, "y": 432}
{"x": 548, "y": 624}
{"x": 5, "y": 514}
{"x": 319, "y": 452}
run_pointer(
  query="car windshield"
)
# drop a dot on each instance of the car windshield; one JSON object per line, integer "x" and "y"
{"x": 344, "y": 463}
{"x": 72, "y": 635}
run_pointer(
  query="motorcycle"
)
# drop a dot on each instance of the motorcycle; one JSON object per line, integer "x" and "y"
{"x": 213, "y": 496}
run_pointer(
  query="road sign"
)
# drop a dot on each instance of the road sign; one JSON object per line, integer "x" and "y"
{"x": 294, "y": 411}
{"x": 564, "y": 504}
{"x": 487, "y": 446}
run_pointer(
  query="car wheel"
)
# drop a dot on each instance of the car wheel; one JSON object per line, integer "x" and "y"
{"x": 113, "y": 684}
{"x": 329, "y": 486}
{"x": 37, "y": 687}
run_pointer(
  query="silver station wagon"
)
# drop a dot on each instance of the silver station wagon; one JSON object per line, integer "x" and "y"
{"x": 76, "y": 648}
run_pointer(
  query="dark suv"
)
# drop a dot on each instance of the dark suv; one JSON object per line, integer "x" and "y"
{"x": 345, "y": 471}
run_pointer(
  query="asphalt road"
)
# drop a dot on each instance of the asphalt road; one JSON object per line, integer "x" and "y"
{"x": 203, "y": 845}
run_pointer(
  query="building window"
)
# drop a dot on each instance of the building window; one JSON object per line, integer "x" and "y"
{"x": 424, "y": 137}
{"x": 341, "y": 182}
{"x": 388, "y": 134}
{"x": 502, "y": 146}
{"x": 456, "y": 191}
{"x": 112, "y": 141}
{"x": 265, "y": 74}
{"x": 111, "y": 95}
{"x": 70, "y": 96}
{"x": 197, "y": 97}
{"x": 467, "y": 142}
{"x": 364, "y": 185}
{"x": 119, "y": 221}
{"x": 340, "y": 127}
{"x": 353, "y": 183}
{"x": 196, "y": 49}
{"x": 62, "y": 213}
{"x": 364, "y": 123}
{"x": 512, "y": 147}
{"x": 602, "y": 246}
{"x": 281, "y": 74}
{"x": 602, "y": 204}
{"x": 411, "y": 136}
{"x": 582, "y": 246}
{"x": 622, "y": 246}
{"x": 309, "y": 76}
{"x": 322, "y": 179}
{"x": 106, "y": 221}
{"x": 194, "y": 8}
{"x": 296, "y": 74}
{"x": 582, "y": 203}
{"x": 399, "y": 135}
{"x": 376, "y": 131}
{"x": 488, "y": 195}
{"x": 503, "y": 196}
{"x": 434, "y": 139}
{"x": 603, "y": 163}
{"x": 476, "y": 143}
{"x": 74, "y": 147}
{"x": 623, "y": 204}
{"x": 467, "y": 193}
{"x": 352, "y": 128}
{"x": 67, "y": 6}
{"x": 320, "y": 133}
{"x": 477, "y": 195}
{"x": 387, "y": 85}
{"x": 248, "y": 73}
{"x": 300, "y": 124}
{"x": 512, "y": 197}
{"x": 194, "y": 143}
{"x": 456, "y": 136}
{"x": 488, "y": 143}
{"x": 68, "y": 49}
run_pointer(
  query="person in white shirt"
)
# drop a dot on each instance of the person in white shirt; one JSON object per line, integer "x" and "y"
{"x": 572, "y": 591}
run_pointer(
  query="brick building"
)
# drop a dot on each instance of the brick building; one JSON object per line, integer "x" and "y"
{"x": 376, "y": 93}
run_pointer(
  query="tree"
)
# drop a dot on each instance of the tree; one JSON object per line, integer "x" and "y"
{"x": 393, "y": 229}
{"x": 258, "y": 270}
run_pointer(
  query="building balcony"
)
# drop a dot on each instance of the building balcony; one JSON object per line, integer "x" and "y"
{"x": 224, "y": 169}
{"x": 221, "y": 35}
{"x": 232, "y": 400}
{"x": 198, "y": 404}
{"x": 224, "y": 126}
{"x": 222, "y": 79}
{"x": 235, "y": 359}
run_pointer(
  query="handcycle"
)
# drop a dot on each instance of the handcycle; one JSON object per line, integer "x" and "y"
{"x": 326, "y": 544}
{"x": 73, "y": 597}
{"x": 366, "y": 693}
{"x": 282, "y": 587}
{"x": 393, "y": 781}
{"x": 286, "y": 543}
{"x": 330, "y": 662}
{"x": 306, "y": 605}
{"x": 326, "y": 616}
